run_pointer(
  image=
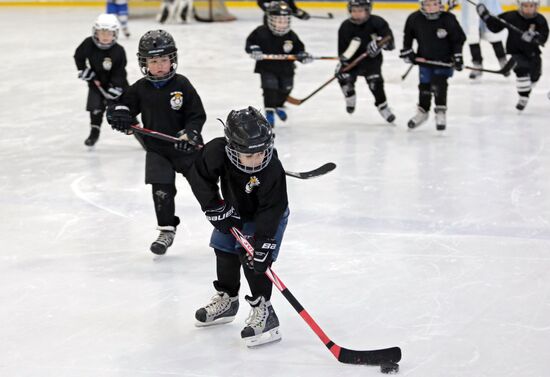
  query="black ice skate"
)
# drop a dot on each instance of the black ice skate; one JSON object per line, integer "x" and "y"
{"x": 522, "y": 102}
{"x": 94, "y": 135}
{"x": 262, "y": 323}
{"x": 440, "y": 118}
{"x": 386, "y": 112}
{"x": 420, "y": 117}
{"x": 222, "y": 309}
{"x": 164, "y": 240}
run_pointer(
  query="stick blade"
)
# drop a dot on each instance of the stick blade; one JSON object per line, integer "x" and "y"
{"x": 373, "y": 357}
{"x": 294, "y": 101}
{"x": 321, "y": 170}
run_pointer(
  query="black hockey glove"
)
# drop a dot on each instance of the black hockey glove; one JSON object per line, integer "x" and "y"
{"x": 191, "y": 141}
{"x": 530, "y": 36}
{"x": 338, "y": 72}
{"x": 263, "y": 248}
{"x": 119, "y": 118}
{"x": 483, "y": 12}
{"x": 458, "y": 62}
{"x": 224, "y": 217}
{"x": 86, "y": 74}
{"x": 373, "y": 49}
{"x": 408, "y": 56}
{"x": 302, "y": 14}
{"x": 115, "y": 92}
{"x": 256, "y": 53}
{"x": 304, "y": 57}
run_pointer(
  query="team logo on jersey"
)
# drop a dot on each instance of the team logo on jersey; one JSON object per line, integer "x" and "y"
{"x": 107, "y": 64}
{"x": 252, "y": 182}
{"x": 441, "y": 33}
{"x": 176, "y": 100}
{"x": 288, "y": 46}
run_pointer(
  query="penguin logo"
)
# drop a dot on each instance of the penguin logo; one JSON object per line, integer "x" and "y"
{"x": 107, "y": 64}
{"x": 252, "y": 182}
{"x": 441, "y": 33}
{"x": 176, "y": 100}
{"x": 288, "y": 46}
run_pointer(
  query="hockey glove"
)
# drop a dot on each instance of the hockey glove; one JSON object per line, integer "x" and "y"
{"x": 530, "y": 36}
{"x": 223, "y": 217}
{"x": 263, "y": 248}
{"x": 302, "y": 14}
{"x": 119, "y": 118}
{"x": 115, "y": 92}
{"x": 304, "y": 57}
{"x": 256, "y": 53}
{"x": 408, "y": 56}
{"x": 87, "y": 74}
{"x": 191, "y": 141}
{"x": 338, "y": 72}
{"x": 483, "y": 12}
{"x": 458, "y": 62}
{"x": 373, "y": 49}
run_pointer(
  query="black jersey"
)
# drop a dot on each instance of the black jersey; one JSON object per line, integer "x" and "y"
{"x": 168, "y": 109}
{"x": 259, "y": 197}
{"x": 109, "y": 65}
{"x": 437, "y": 39}
{"x": 270, "y": 43}
{"x": 514, "y": 44}
{"x": 368, "y": 31}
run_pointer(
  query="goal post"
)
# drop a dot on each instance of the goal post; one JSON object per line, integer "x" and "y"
{"x": 211, "y": 11}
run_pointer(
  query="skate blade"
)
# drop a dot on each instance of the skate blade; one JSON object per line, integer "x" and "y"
{"x": 219, "y": 321}
{"x": 272, "y": 336}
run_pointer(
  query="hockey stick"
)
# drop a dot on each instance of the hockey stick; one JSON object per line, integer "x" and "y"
{"x": 329, "y": 16}
{"x": 510, "y": 64}
{"x": 347, "y": 68}
{"x": 344, "y": 355}
{"x": 294, "y": 57}
{"x": 404, "y": 75}
{"x": 321, "y": 170}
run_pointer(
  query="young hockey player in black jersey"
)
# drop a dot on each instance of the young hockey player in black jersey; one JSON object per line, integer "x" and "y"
{"x": 440, "y": 38}
{"x": 168, "y": 103}
{"x": 296, "y": 12}
{"x": 277, "y": 76}
{"x": 100, "y": 60}
{"x": 523, "y": 47}
{"x": 368, "y": 28}
{"x": 245, "y": 167}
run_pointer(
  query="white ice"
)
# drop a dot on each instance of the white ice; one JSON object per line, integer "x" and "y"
{"x": 436, "y": 242}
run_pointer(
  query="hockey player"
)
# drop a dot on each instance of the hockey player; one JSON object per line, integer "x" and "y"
{"x": 245, "y": 167}
{"x": 296, "y": 12}
{"x": 178, "y": 9}
{"x": 476, "y": 30}
{"x": 120, "y": 9}
{"x": 362, "y": 25}
{"x": 168, "y": 103}
{"x": 524, "y": 47}
{"x": 440, "y": 38}
{"x": 100, "y": 60}
{"x": 277, "y": 76}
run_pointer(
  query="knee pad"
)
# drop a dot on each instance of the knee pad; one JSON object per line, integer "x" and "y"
{"x": 374, "y": 82}
{"x": 96, "y": 117}
{"x": 271, "y": 97}
{"x": 439, "y": 88}
{"x": 348, "y": 88}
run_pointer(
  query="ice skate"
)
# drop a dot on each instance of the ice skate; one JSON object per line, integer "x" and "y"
{"x": 94, "y": 135}
{"x": 420, "y": 117}
{"x": 522, "y": 102}
{"x": 386, "y": 112}
{"x": 281, "y": 113}
{"x": 262, "y": 323}
{"x": 440, "y": 117}
{"x": 222, "y": 309}
{"x": 350, "y": 103}
{"x": 476, "y": 74}
{"x": 164, "y": 240}
{"x": 270, "y": 116}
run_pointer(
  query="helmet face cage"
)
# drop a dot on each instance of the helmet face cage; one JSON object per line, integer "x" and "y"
{"x": 520, "y": 7}
{"x": 233, "y": 155}
{"x": 365, "y": 4}
{"x": 107, "y": 22}
{"x": 278, "y": 17}
{"x": 432, "y": 15}
{"x": 156, "y": 44}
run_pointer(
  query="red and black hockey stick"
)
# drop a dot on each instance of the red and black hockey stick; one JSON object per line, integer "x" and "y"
{"x": 344, "y": 355}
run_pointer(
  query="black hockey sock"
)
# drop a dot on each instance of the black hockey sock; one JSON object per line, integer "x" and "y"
{"x": 165, "y": 208}
{"x": 475, "y": 50}
{"x": 271, "y": 98}
{"x": 228, "y": 270}
{"x": 376, "y": 86}
{"x": 439, "y": 88}
{"x": 499, "y": 50}
{"x": 282, "y": 98}
{"x": 96, "y": 117}
{"x": 424, "y": 96}
{"x": 259, "y": 284}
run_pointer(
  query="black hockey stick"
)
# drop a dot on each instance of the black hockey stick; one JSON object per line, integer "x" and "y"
{"x": 329, "y": 16}
{"x": 510, "y": 64}
{"x": 344, "y": 355}
{"x": 404, "y": 75}
{"x": 294, "y": 57}
{"x": 347, "y": 68}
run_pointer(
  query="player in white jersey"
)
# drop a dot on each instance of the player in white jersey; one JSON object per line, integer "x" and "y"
{"x": 120, "y": 9}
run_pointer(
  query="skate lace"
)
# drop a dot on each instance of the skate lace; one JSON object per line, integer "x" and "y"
{"x": 218, "y": 304}
{"x": 165, "y": 238}
{"x": 257, "y": 316}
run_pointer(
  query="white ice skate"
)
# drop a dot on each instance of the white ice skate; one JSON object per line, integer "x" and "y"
{"x": 164, "y": 240}
{"x": 440, "y": 118}
{"x": 420, "y": 117}
{"x": 386, "y": 112}
{"x": 222, "y": 309}
{"x": 262, "y": 323}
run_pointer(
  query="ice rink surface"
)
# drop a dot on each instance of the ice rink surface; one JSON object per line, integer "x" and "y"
{"x": 436, "y": 242}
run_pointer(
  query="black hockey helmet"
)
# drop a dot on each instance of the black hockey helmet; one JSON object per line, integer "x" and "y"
{"x": 248, "y": 132}
{"x": 278, "y": 17}
{"x": 156, "y": 43}
{"x": 367, "y": 4}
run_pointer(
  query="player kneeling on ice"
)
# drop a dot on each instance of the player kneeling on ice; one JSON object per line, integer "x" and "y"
{"x": 277, "y": 76}
{"x": 531, "y": 31}
{"x": 101, "y": 62}
{"x": 245, "y": 167}
{"x": 358, "y": 34}
{"x": 440, "y": 39}
{"x": 168, "y": 103}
